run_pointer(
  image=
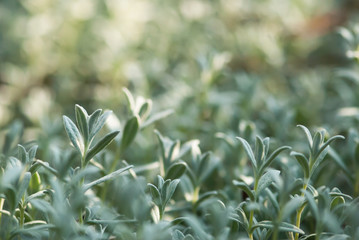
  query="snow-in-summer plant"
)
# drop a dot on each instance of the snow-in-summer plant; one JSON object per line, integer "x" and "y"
{"x": 90, "y": 186}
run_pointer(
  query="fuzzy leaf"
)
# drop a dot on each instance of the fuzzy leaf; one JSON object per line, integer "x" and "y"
{"x": 329, "y": 141}
{"x": 271, "y": 158}
{"x": 267, "y": 179}
{"x": 145, "y": 109}
{"x": 81, "y": 120}
{"x": 336, "y": 201}
{"x": 307, "y": 134}
{"x": 23, "y": 186}
{"x": 249, "y": 151}
{"x": 100, "y": 145}
{"x": 259, "y": 150}
{"x": 283, "y": 227}
{"x": 22, "y": 154}
{"x": 243, "y": 186}
{"x": 129, "y": 132}
{"x": 303, "y": 161}
{"x": 99, "y": 123}
{"x": 130, "y": 100}
{"x": 155, "y": 193}
{"x": 317, "y": 141}
{"x": 92, "y": 119}
{"x": 312, "y": 205}
{"x": 73, "y": 134}
{"x": 177, "y": 235}
{"x": 291, "y": 206}
{"x": 170, "y": 190}
{"x": 108, "y": 177}
{"x": 176, "y": 170}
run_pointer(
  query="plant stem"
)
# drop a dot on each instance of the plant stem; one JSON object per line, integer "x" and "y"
{"x": 22, "y": 212}
{"x": 250, "y": 224}
{"x": 82, "y": 180}
{"x": 195, "y": 195}
{"x": 251, "y": 214}
{"x": 301, "y": 209}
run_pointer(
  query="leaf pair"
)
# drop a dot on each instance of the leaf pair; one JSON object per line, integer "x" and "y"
{"x": 171, "y": 166}
{"x": 142, "y": 108}
{"x": 83, "y": 133}
{"x": 318, "y": 150}
{"x": 265, "y": 181}
{"x": 163, "y": 192}
{"x": 258, "y": 158}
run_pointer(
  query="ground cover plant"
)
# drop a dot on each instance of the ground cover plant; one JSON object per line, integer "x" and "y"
{"x": 179, "y": 120}
{"x": 85, "y": 191}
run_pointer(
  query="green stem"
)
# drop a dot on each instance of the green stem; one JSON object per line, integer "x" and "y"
{"x": 251, "y": 214}
{"x": 82, "y": 180}
{"x": 250, "y": 224}
{"x": 22, "y": 212}
{"x": 195, "y": 195}
{"x": 301, "y": 209}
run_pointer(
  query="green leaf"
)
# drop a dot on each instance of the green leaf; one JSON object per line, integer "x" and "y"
{"x": 243, "y": 186}
{"x": 266, "y": 145}
{"x": 100, "y": 145}
{"x": 283, "y": 227}
{"x": 303, "y": 161}
{"x": 81, "y": 120}
{"x": 73, "y": 134}
{"x": 271, "y": 158}
{"x": 130, "y": 131}
{"x": 317, "y": 141}
{"x": 173, "y": 152}
{"x": 161, "y": 140}
{"x": 266, "y": 180}
{"x": 15, "y": 131}
{"x": 23, "y": 186}
{"x": 177, "y": 235}
{"x": 329, "y": 141}
{"x": 38, "y": 194}
{"x": 291, "y": 206}
{"x": 47, "y": 167}
{"x": 336, "y": 201}
{"x": 307, "y": 134}
{"x": 130, "y": 100}
{"x": 93, "y": 118}
{"x": 272, "y": 198}
{"x": 32, "y": 152}
{"x": 160, "y": 182}
{"x": 170, "y": 190}
{"x": 108, "y": 177}
{"x": 259, "y": 150}
{"x": 163, "y": 191}
{"x": 249, "y": 151}
{"x": 155, "y": 193}
{"x": 312, "y": 205}
{"x": 145, "y": 109}
{"x": 99, "y": 123}
{"x": 176, "y": 170}
{"x": 22, "y": 154}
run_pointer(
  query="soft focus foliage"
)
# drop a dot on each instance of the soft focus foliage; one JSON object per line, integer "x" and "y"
{"x": 183, "y": 79}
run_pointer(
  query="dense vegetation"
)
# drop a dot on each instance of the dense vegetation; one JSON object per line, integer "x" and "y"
{"x": 230, "y": 119}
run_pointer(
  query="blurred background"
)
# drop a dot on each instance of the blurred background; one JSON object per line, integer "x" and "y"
{"x": 220, "y": 65}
